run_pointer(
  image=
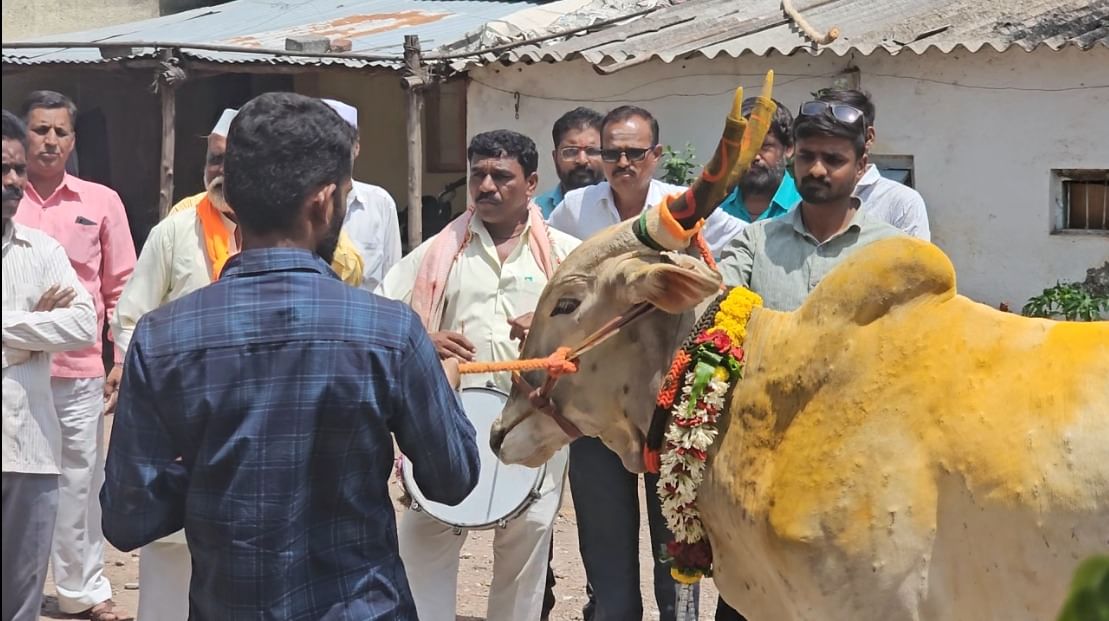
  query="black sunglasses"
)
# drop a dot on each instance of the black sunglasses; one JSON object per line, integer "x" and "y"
{"x": 841, "y": 112}
{"x": 633, "y": 154}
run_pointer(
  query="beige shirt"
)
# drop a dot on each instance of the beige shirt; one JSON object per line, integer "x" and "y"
{"x": 782, "y": 262}
{"x": 33, "y": 262}
{"x": 172, "y": 264}
{"x": 482, "y": 294}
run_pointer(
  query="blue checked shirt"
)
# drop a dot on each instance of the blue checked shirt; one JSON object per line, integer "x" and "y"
{"x": 258, "y": 413}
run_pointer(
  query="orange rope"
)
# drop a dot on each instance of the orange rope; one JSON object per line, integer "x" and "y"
{"x": 672, "y": 381}
{"x": 706, "y": 252}
{"x": 556, "y": 364}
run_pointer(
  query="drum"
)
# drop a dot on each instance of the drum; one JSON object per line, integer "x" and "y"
{"x": 503, "y": 492}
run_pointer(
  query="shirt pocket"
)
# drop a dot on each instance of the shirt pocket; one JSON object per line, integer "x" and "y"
{"x": 82, "y": 245}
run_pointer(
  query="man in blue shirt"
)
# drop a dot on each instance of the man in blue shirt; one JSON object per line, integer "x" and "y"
{"x": 767, "y": 190}
{"x": 259, "y": 412}
{"x": 577, "y": 156}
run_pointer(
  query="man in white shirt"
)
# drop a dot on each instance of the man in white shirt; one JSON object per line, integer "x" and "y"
{"x": 606, "y": 496}
{"x": 46, "y": 309}
{"x": 485, "y": 268}
{"x": 629, "y": 151}
{"x": 371, "y": 220}
{"x": 883, "y": 199}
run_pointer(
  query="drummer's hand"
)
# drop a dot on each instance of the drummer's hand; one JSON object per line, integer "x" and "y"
{"x": 450, "y": 367}
{"x": 520, "y": 326}
{"x": 453, "y": 345}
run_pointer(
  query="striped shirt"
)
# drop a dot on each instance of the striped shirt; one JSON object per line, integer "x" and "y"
{"x": 259, "y": 413}
{"x": 33, "y": 262}
{"x": 782, "y": 262}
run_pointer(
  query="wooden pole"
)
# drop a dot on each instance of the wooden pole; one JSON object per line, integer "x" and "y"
{"x": 169, "y": 76}
{"x": 413, "y": 83}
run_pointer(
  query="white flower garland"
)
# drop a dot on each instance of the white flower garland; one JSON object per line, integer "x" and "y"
{"x": 691, "y": 433}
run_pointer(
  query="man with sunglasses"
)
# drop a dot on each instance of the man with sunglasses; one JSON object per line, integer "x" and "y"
{"x": 606, "y": 496}
{"x": 630, "y": 151}
{"x": 577, "y": 155}
{"x": 882, "y": 198}
{"x": 783, "y": 259}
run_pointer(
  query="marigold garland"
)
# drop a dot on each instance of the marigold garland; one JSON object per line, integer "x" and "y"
{"x": 707, "y": 377}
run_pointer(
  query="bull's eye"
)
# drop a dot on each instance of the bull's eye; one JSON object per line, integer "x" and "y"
{"x": 565, "y": 306}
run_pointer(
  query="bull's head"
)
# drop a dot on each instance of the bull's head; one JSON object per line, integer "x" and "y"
{"x": 645, "y": 260}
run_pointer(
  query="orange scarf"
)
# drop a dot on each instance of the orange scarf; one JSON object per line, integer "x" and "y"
{"x": 217, "y": 239}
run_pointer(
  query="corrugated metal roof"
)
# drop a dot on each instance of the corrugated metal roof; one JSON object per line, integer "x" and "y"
{"x": 712, "y": 27}
{"x": 374, "y": 27}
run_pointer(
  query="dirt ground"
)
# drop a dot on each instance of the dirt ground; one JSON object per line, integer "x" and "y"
{"x": 473, "y": 581}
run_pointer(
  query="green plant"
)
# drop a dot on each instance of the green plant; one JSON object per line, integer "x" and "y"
{"x": 678, "y": 167}
{"x": 1071, "y": 301}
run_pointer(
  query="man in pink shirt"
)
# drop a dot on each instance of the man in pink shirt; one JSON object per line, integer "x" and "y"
{"x": 89, "y": 221}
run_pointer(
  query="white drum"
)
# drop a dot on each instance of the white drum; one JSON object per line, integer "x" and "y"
{"x": 503, "y": 492}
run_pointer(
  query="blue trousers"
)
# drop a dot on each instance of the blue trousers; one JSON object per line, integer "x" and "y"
{"x": 606, "y": 501}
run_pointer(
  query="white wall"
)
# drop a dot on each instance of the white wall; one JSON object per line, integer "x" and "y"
{"x": 985, "y": 130}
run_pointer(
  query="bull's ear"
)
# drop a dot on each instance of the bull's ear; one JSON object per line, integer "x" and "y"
{"x": 676, "y": 284}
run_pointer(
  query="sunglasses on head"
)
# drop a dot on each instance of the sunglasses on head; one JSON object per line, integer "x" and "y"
{"x": 841, "y": 112}
{"x": 633, "y": 154}
{"x": 571, "y": 153}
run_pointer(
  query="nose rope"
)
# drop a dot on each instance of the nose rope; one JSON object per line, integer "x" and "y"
{"x": 564, "y": 360}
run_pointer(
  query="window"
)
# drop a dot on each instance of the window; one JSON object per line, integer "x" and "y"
{"x": 445, "y": 134}
{"x": 1081, "y": 201}
{"x": 896, "y": 167}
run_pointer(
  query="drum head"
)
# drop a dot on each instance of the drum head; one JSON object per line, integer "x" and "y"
{"x": 502, "y": 491}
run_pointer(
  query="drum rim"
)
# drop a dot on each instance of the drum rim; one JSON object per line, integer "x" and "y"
{"x": 413, "y": 490}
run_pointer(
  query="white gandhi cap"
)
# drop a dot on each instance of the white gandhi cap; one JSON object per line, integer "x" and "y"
{"x": 347, "y": 111}
{"x": 224, "y": 123}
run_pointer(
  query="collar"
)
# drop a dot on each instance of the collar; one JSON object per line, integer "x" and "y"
{"x": 68, "y": 184}
{"x": 655, "y": 193}
{"x": 477, "y": 227}
{"x": 869, "y": 178}
{"x": 799, "y": 223}
{"x": 267, "y": 260}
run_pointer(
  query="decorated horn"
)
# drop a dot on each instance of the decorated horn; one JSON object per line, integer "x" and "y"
{"x": 680, "y": 216}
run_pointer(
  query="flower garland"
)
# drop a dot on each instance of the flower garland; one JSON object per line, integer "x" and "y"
{"x": 709, "y": 373}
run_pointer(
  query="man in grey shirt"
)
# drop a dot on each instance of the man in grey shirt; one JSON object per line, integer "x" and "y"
{"x": 783, "y": 259}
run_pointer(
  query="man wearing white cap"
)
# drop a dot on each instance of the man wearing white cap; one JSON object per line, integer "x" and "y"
{"x": 371, "y": 220}
{"x": 216, "y": 222}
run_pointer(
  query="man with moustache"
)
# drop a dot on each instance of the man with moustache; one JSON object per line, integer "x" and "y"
{"x": 259, "y": 412}
{"x": 215, "y": 220}
{"x": 46, "y": 309}
{"x": 606, "y": 496}
{"x": 630, "y": 151}
{"x": 467, "y": 283}
{"x": 783, "y": 259}
{"x": 767, "y": 190}
{"x": 577, "y": 155}
{"x": 90, "y": 222}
